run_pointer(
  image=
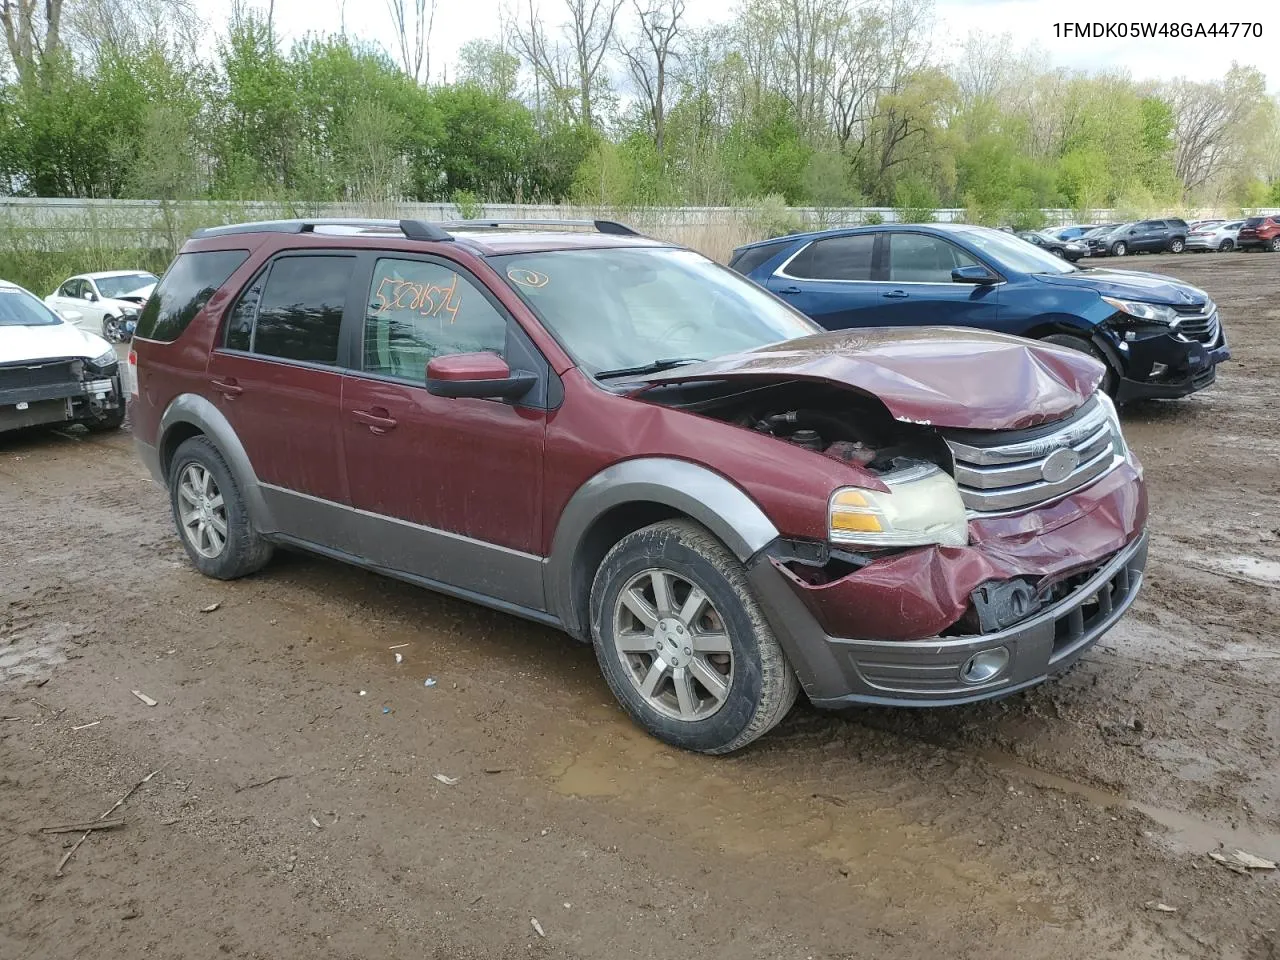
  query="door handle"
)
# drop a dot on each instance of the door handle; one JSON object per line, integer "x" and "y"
{"x": 896, "y": 295}
{"x": 228, "y": 387}
{"x": 789, "y": 290}
{"x": 377, "y": 420}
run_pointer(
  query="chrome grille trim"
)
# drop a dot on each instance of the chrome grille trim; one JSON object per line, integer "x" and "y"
{"x": 1007, "y": 477}
{"x": 1199, "y": 323}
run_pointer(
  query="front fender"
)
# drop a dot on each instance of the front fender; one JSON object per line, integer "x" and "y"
{"x": 681, "y": 486}
{"x": 193, "y": 410}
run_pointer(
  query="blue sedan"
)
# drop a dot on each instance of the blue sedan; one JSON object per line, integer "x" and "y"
{"x": 1158, "y": 337}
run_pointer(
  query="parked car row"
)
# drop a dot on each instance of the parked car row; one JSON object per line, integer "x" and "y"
{"x": 1171, "y": 235}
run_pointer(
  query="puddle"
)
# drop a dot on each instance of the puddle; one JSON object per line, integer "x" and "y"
{"x": 1263, "y": 572}
{"x": 1185, "y": 831}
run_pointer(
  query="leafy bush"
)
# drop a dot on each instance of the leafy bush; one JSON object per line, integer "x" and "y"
{"x": 468, "y": 204}
{"x": 873, "y": 219}
{"x": 770, "y": 217}
{"x": 915, "y": 201}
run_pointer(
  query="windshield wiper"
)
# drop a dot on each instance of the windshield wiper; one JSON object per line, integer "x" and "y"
{"x": 657, "y": 366}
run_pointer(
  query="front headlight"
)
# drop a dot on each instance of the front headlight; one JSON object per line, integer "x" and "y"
{"x": 1154, "y": 312}
{"x": 922, "y": 507}
{"x": 108, "y": 359}
{"x": 1113, "y": 417}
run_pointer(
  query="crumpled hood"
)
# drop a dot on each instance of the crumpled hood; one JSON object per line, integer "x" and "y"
{"x": 1130, "y": 285}
{"x": 18, "y": 344}
{"x": 944, "y": 376}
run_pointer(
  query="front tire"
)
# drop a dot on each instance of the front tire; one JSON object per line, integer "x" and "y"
{"x": 1119, "y": 249}
{"x": 1110, "y": 379}
{"x": 1057, "y": 252}
{"x": 682, "y": 642}
{"x": 210, "y": 513}
{"x": 1274, "y": 245}
{"x": 1225, "y": 246}
{"x": 111, "y": 329}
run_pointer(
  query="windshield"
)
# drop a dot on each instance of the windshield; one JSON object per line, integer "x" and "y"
{"x": 123, "y": 285}
{"x": 20, "y": 309}
{"x": 1012, "y": 253}
{"x": 618, "y": 308}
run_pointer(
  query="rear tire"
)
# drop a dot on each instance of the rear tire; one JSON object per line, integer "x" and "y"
{"x": 1177, "y": 245}
{"x": 1119, "y": 249}
{"x": 210, "y": 513}
{"x": 640, "y": 632}
{"x": 1110, "y": 379}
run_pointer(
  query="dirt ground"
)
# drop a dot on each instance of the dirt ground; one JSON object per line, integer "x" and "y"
{"x": 295, "y": 810}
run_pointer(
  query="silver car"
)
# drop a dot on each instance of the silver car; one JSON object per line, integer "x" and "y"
{"x": 1214, "y": 235}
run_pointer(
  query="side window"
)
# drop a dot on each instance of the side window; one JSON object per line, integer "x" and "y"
{"x": 836, "y": 258}
{"x": 419, "y": 310}
{"x": 240, "y": 318}
{"x": 916, "y": 258}
{"x": 300, "y": 309}
{"x": 68, "y": 289}
{"x": 183, "y": 291}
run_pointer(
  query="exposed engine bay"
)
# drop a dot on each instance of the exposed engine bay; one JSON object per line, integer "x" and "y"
{"x": 839, "y": 423}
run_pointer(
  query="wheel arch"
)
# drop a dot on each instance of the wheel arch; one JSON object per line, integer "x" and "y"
{"x": 633, "y": 494}
{"x": 191, "y": 415}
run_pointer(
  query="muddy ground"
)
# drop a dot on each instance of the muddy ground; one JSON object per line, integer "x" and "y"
{"x": 296, "y": 811}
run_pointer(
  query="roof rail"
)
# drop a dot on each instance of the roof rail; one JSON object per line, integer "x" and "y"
{"x": 425, "y": 230}
{"x": 412, "y": 229}
{"x": 601, "y": 226}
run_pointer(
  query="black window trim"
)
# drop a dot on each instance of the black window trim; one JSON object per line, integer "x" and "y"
{"x": 263, "y": 273}
{"x": 880, "y": 260}
{"x": 546, "y": 395}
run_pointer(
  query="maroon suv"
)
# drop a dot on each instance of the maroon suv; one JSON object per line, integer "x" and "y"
{"x": 621, "y": 438}
{"x": 1260, "y": 233}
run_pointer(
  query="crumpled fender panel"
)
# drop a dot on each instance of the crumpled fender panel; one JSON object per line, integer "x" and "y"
{"x": 920, "y": 593}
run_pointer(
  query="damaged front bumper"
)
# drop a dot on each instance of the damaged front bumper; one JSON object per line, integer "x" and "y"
{"x": 1163, "y": 365}
{"x": 25, "y": 405}
{"x": 905, "y": 631}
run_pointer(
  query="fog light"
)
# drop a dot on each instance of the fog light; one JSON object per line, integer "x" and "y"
{"x": 985, "y": 666}
{"x": 1159, "y": 369}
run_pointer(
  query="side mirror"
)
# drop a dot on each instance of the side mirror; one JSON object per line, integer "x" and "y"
{"x": 483, "y": 376}
{"x": 975, "y": 274}
{"x": 91, "y": 297}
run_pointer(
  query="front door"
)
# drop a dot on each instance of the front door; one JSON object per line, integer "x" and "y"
{"x": 920, "y": 291}
{"x": 277, "y": 379}
{"x": 449, "y": 490}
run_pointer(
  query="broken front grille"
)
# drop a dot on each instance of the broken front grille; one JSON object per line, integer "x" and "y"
{"x": 15, "y": 376}
{"x": 999, "y": 472}
{"x": 1199, "y": 323}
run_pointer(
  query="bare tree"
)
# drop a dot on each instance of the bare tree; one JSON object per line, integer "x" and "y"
{"x": 1212, "y": 122}
{"x": 32, "y": 33}
{"x": 413, "y": 21}
{"x": 650, "y": 57}
{"x": 93, "y": 27}
{"x": 572, "y": 63}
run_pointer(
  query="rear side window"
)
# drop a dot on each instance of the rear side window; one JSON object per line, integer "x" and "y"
{"x": 186, "y": 287}
{"x": 299, "y": 311}
{"x": 753, "y": 257}
{"x": 419, "y": 310}
{"x": 836, "y": 258}
{"x": 1253, "y": 222}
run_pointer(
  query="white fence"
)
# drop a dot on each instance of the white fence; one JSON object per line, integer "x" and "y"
{"x": 52, "y": 223}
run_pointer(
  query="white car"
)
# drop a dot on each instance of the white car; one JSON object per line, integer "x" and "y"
{"x": 1214, "y": 235}
{"x": 108, "y": 302}
{"x": 51, "y": 372}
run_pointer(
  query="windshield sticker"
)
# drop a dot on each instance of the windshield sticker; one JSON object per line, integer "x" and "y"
{"x": 528, "y": 278}
{"x": 428, "y": 299}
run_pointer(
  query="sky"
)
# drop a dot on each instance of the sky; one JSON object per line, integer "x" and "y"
{"x": 1028, "y": 22}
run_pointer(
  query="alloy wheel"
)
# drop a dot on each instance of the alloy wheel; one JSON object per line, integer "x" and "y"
{"x": 673, "y": 644}
{"x": 202, "y": 511}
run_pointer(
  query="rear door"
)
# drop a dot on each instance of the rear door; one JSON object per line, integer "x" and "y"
{"x": 447, "y": 489}
{"x": 277, "y": 377}
{"x": 831, "y": 280}
{"x": 920, "y": 291}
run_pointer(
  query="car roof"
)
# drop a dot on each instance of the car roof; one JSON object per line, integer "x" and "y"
{"x": 105, "y": 274}
{"x": 868, "y": 228}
